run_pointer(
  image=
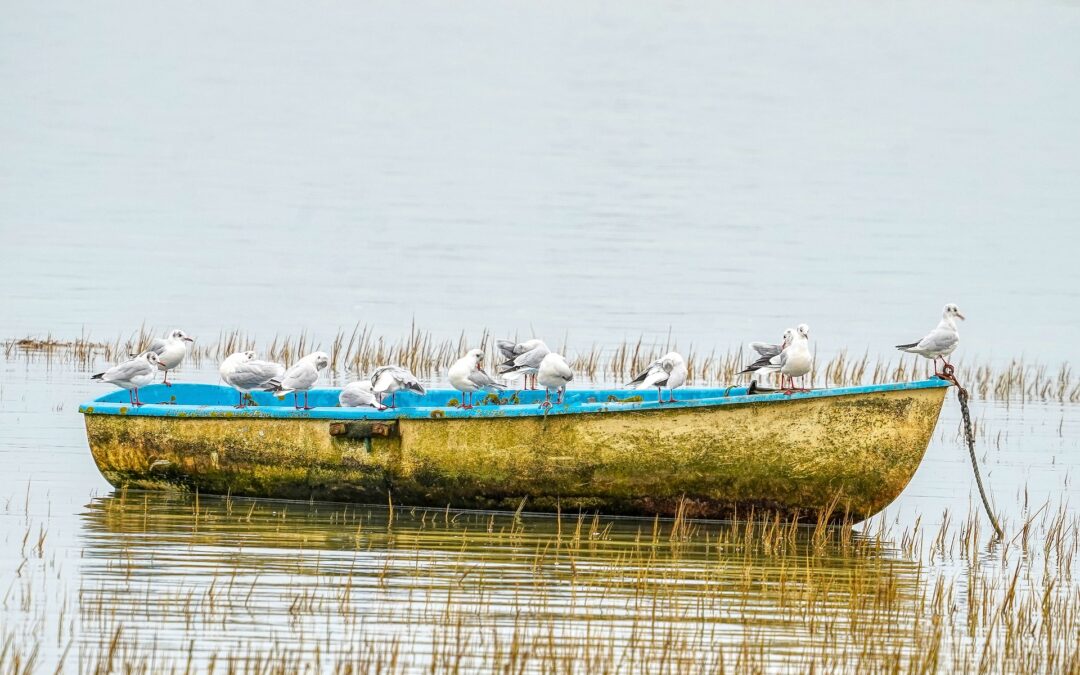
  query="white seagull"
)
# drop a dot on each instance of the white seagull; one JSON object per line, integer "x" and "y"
{"x": 668, "y": 371}
{"x": 793, "y": 361}
{"x": 468, "y": 376}
{"x": 301, "y": 377}
{"x": 244, "y": 372}
{"x": 522, "y": 359}
{"x": 554, "y": 373}
{"x": 170, "y": 351}
{"x": 940, "y": 342}
{"x": 359, "y": 395}
{"x": 392, "y": 379}
{"x": 132, "y": 374}
{"x": 766, "y": 351}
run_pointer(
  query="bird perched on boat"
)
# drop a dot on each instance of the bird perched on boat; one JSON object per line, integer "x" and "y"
{"x": 245, "y": 372}
{"x": 667, "y": 371}
{"x": 522, "y": 358}
{"x": 794, "y": 360}
{"x": 359, "y": 395}
{"x": 301, "y": 377}
{"x": 132, "y": 374}
{"x": 767, "y": 351}
{"x": 170, "y": 351}
{"x": 392, "y": 379}
{"x": 940, "y": 342}
{"x": 554, "y": 373}
{"x": 467, "y": 376}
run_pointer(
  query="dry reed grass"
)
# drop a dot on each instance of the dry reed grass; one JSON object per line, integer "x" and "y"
{"x": 360, "y": 351}
{"x": 352, "y": 590}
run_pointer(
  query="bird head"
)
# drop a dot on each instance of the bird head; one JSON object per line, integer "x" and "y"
{"x": 670, "y": 360}
{"x": 476, "y": 355}
{"x": 951, "y": 310}
{"x": 181, "y": 335}
{"x": 804, "y": 330}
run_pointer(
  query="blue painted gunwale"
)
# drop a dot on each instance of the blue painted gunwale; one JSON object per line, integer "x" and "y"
{"x": 216, "y": 401}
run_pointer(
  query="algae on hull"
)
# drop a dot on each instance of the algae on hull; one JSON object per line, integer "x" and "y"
{"x": 856, "y": 453}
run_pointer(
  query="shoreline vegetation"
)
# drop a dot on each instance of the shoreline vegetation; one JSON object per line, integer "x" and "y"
{"x": 515, "y": 593}
{"x": 360, "y": 351}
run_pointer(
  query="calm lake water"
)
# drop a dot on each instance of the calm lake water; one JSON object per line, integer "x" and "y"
{"x": 589, "y": 172}
{"x": 602, "y": 170}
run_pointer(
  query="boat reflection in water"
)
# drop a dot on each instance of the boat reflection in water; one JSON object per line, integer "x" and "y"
{"x": 230, "y": 578}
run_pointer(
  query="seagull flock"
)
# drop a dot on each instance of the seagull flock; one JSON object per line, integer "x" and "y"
{"x": 245, "y": 372}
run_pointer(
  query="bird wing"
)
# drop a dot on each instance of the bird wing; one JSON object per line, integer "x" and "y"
{"x": 357, "y": 394}
{"x": 301, "y": 376}
{"x": 526, "y": 359}
{"x": 403, "y": 376}
{"x": 766, "y": 349}
{"x": 127, "y": 370}
{"x": 507, "y": 348}
{"x": 656, "y": 377}
{"x": 655, "y": 365}
{"x": 157, "y": 345}
{"x": 939, "y": 340}
{"x": 483, "y": 380}
{"x": 251, "y": 374}
{"x": 766, "y": 362}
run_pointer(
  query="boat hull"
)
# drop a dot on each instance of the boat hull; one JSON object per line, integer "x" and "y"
{"x": 804, "y": 456}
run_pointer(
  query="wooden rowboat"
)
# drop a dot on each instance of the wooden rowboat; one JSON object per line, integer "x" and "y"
{"x": 719, "y": 452}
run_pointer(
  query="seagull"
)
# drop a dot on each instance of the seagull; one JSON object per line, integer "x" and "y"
{"x": 668, "y": 371}
{"x": 359, "y": 395}
{"x": 522, "y": 359}
{"x": 170, "y": 351}
{"x": 798, "y": 361}
{"x": 391, "y": 380}
{"x": 767, "y": 351}
{"x": 794, "y": 360}
{"x": 132, "y": 374}
{"x": 468, "y": 377}
{"x": 940, "y": 342}
{"x": 554, "y": 373}
{"x": 244, "y": 372}
{"x": 301, "y": 377}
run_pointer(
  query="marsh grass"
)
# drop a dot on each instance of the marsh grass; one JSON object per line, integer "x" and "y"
{"x": 172, "y": 583}
{"x": 359, "y": 351}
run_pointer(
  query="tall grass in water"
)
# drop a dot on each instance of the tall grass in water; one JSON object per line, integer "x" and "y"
{"x": 359, "y": 351}
{"x": 171, "y": 584}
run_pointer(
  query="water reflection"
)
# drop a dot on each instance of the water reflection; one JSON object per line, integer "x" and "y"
{"x": 353, "y": 582}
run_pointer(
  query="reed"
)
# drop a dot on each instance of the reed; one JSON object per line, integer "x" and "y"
{"x": 322, "y": 587}
{"x": 359, "y": 351}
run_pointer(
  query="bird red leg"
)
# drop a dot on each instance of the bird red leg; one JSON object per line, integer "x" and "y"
{"x": 137, "y": 401}
{"x": 165, "y": 380}
{"x": 131, "y": 399}
{"x": 659, "y": 395}
{"x": 306, "y": 405}
{"x": 240, "y": 403}
{"x": 671, "y": 396}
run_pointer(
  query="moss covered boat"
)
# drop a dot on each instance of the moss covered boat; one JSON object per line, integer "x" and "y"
{"x": 718, "y": 451}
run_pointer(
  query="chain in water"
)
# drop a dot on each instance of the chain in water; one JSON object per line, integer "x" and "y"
{"x": 969, "y": 436}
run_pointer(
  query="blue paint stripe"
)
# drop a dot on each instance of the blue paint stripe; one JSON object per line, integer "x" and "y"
{"x": 207, "y": 400}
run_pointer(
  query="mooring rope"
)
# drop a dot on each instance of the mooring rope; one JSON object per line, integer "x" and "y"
{"x": 949, "y": 375}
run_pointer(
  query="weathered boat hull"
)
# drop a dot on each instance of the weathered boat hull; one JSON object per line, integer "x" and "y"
{"x": 851, "y": 453}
